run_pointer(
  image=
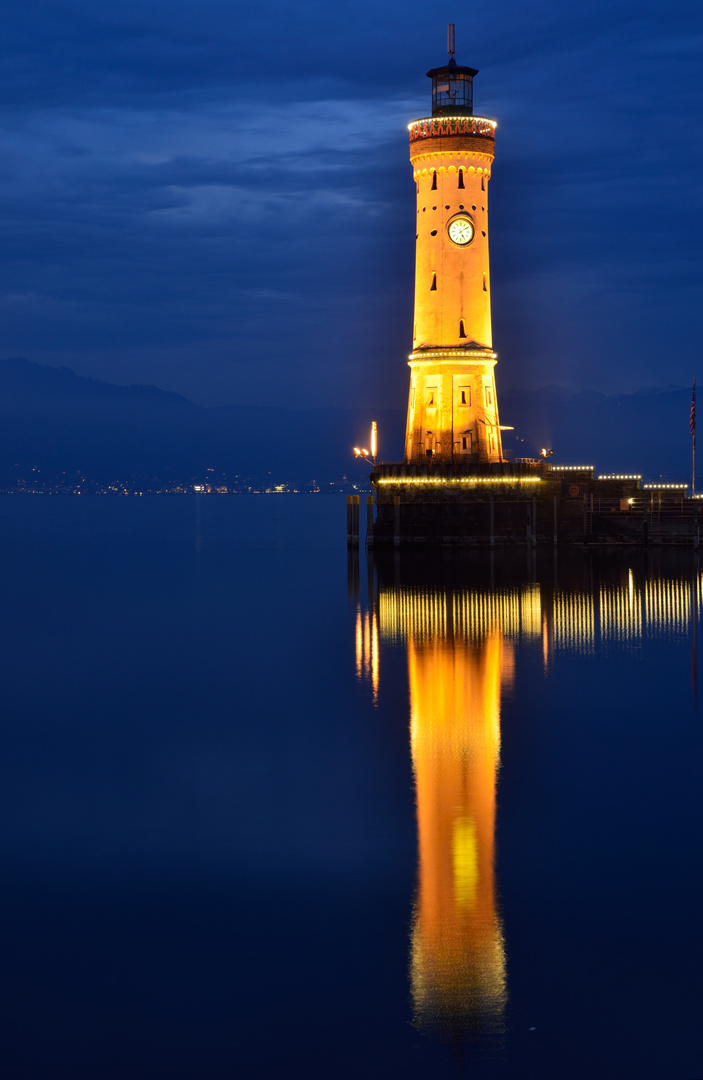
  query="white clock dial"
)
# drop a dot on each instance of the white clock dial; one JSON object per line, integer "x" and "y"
{"x": 461, "y": 231}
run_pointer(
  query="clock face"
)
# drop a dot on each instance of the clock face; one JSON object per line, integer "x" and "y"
{"x": 461, "y": 231}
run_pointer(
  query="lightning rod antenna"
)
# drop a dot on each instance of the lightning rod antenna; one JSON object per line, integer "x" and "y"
{"x": 450, "y": 40}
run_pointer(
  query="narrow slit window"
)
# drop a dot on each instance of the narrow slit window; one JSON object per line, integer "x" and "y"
{"x": 433, "y": 286}
{"x": 465, "y": 396}
{"x": 489, "y": 396}
{"x": 462, "y": 329}
{"x": 484, "y": 283}
{"x": 434, "y": 181}
{"x": 461, "y": 178}
{"x": 463, "y": 443}
{"x": 483, "y": 183}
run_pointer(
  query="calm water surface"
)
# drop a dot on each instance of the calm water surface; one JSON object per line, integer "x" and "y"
{"x": 267, "y": 813}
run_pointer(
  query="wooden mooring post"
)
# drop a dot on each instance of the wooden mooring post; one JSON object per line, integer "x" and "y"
{"x": 353, "y": 520}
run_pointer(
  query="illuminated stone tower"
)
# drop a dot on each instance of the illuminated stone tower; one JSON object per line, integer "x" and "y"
{"x": 452, "y": 410}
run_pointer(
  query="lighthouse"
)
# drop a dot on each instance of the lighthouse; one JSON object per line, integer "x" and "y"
{"x": 452, "y": 407}
{"x": 454, "y": 485}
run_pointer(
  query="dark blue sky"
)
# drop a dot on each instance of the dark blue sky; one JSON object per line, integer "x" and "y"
{"x": 217, "y": 198}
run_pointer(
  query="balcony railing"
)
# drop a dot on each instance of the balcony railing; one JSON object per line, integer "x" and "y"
{"x": 452, "y": 125}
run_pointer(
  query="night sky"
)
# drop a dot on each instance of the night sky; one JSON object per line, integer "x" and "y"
{"x": 217, "y": 198}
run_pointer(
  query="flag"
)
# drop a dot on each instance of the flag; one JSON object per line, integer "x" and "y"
{"x": 692, "y": 423}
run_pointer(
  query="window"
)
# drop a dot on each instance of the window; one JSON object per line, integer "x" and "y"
{"x": 462, "y": 330}
{"x": 461, "y": 178}
{"x": 489, "y": 396}
{"x": 484, "y": 278}
{"x": 431, "y": 390}
{"x": 483, "y": 184}
{"x": 434, "y": 181}
{"x": 464, "y": 395}
{"x": 433, "y": 286}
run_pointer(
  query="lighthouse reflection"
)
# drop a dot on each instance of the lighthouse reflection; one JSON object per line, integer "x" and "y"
{"x": 457, "y": 954}
{"x": 460, "y": 661}
{"x": 462, "y": 632}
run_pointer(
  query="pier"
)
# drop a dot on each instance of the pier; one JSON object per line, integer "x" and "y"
{"x": 513, "y": 504}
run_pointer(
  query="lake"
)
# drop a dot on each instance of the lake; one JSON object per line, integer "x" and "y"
{"x": 267, "y": 810}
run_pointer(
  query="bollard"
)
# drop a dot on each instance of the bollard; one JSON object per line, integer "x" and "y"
{"x": 556, "y": 518}
{"x": 396, "y": 521}
{"x": 350, "y": 515}
{"x": 355, "y": 520}
{"x": 369, "y": 520}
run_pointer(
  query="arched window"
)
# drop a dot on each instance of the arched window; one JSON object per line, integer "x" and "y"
{"x": 462, "y": 330}
{"x": 434, "y": 181}
{"x": 433, "y": 286}
{"x": 461, "y": 178}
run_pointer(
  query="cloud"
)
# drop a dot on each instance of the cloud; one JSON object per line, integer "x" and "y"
{"x": 221, "y": 202}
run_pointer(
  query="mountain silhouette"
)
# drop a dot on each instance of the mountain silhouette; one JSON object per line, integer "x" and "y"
{"x": 61, "y": 427}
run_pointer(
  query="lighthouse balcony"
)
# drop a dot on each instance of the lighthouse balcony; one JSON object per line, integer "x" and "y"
{"x": 442, "y": 126}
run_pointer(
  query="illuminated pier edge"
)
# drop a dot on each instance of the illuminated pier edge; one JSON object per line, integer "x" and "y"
{"x": 461, "y": 481}
{"x": 572, "y": 468}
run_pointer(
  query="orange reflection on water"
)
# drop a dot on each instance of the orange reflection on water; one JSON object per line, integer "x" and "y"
{"x": 457, "y": 953}
{"x": 367, "y": 648}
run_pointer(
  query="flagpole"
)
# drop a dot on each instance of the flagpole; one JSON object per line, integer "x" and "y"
{"x": 693, "y": 438}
